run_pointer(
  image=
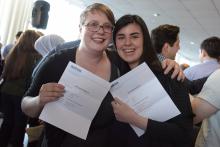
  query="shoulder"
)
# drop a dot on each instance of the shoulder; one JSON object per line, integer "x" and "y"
{"x": 172, "y": 86}
{"x": 192, "y": 69}
{"x": 50, "y": 70}
{"x": 57, "y": 61}
{"x": 68, "y": 45}
{"x": 191, "y": 72}
{"x": 62, "y": 55}
{"x": 117, "y": 61}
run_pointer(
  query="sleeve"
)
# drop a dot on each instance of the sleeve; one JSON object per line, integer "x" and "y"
{"x": 188, "y": 73}
{"x": 41, "y": 62}
{"x": 195, "y": 86}
{"x": 48, "y": 71}
{"x": 178, "y": 129}
{"x": 210, "y": 91}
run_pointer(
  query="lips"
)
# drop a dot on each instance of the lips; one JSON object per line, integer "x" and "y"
{"x": 128, "y": 50}
{"x": 98, "y": 40}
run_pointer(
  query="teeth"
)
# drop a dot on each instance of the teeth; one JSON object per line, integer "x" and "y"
{"x": 98, "y": 39}
{"x": 128, "y": 50}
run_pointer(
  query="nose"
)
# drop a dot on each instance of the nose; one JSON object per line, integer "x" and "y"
{"x": 101, "y": 28}
{"x": 127, "y": 41}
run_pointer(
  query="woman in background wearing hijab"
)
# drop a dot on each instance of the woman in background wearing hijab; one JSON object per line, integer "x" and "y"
{"x": 47, "y": 43}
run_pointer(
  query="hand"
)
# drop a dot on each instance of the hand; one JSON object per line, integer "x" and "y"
{"x": 50, "y": 92}
{"x": 122, "y": 111}
{"x": 168, "y": 65}
{"x": 126, "y": 114}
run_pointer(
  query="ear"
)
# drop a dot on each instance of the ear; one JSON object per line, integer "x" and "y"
{"x": 203, "y": 53}
{"x": 80, "y": 28}
{"x": 165, "y": 48}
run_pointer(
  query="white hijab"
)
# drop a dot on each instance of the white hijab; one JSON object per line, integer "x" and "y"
{"x": 46, "y": 43}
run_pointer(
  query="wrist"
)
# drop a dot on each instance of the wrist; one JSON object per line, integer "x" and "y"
{"x": 140, "y": 122}
{"x": 39, "y": 103}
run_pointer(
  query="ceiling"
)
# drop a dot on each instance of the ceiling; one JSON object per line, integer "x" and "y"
{"x": 197, "y": 19}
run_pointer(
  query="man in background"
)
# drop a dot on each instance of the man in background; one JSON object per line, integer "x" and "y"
{"x": 165, "y": 40}
{"x": 209, "y": 56}
{"x": 5, "y": 50}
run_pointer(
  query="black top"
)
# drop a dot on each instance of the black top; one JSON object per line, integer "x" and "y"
{"x": 195, "y": 86}
{"x": 176, "y": 132}
{"x": 51, "y": 71}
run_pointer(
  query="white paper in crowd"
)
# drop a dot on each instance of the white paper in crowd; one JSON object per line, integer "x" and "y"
{"x": 75, "y": 111}
{"x": 142, "y": 91}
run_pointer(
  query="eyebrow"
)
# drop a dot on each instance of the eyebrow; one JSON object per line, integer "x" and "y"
{"x": 135, "y": 33}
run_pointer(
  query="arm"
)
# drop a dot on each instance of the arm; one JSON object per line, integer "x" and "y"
{"x": 207, "y": 102}
{"x": 30, "y": 106}
{"x": 202, "y": 109}
{"x": 195, "y": 86}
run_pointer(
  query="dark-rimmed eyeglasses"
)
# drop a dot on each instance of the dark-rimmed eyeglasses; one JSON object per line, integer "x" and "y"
{"x": 95, "y": 27}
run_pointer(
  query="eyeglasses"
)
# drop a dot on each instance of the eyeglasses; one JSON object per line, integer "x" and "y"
{"x": 94, "y": 27}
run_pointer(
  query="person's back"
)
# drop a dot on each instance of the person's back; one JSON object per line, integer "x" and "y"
{"x": 17, "y": 74}
{"x": 5, "y": 50}
{"x": 209, "y": 55}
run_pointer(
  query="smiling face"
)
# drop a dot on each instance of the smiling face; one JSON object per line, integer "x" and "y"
{"x": 129, "y": 44}
{"x": 97, "y": 40}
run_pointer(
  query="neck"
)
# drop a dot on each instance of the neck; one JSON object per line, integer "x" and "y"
{"x": 91, "y": 57}
{"x": 207, "y": 58}
{"x": 97, "y": 62}
{"x": 133, "y": 65}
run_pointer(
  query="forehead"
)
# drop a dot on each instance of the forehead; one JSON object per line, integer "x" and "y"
{"x": 130, "y": 29}
{"x": 96, "y": 15}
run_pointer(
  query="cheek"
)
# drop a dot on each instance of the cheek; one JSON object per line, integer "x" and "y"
{"x": 118, "y": 44}
{"x": 120, "y": 52}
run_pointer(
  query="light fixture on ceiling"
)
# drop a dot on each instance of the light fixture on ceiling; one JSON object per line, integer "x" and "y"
{"x": 156, "y": 14}
{"x": 192, "y": 43}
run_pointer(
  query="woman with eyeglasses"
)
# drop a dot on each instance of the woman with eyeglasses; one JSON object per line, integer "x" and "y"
{"x": 96, "y": 24}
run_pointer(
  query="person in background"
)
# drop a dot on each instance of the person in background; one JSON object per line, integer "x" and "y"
{"x": 17, "y": 71}
{"x": 6, "y": 49}
{"x": 165, "y": 40}
{"x": 46, "y": 43}
{"x": 132, "y": 41}
{"x": 209, "y": 56}
{"x": 206, "y": 106}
